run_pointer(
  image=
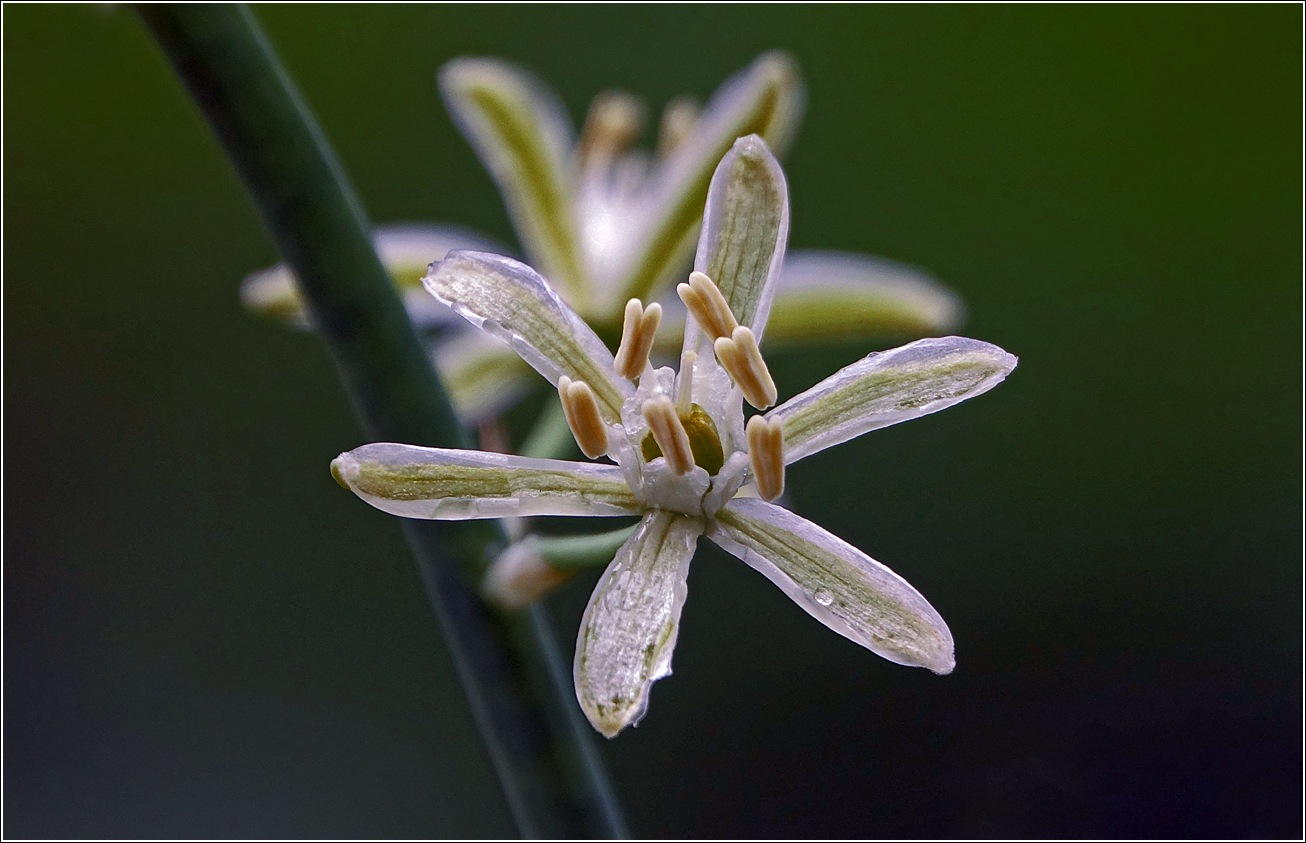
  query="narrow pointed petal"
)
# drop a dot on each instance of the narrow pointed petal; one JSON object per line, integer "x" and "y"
{"x": 630, "y": 625}
{"x": 482, "y": 375}
{"x": 745, "y": 228}
{"x": 522, "y": 135}
{"x": 889, "y": 387}
{"x": 404, "y": 250}
{"x": 836, "y": 583}
{"x": 834, "y": 296}
{"x": 513, "y": 302}
{"x": 765, "y": 99}
{"x": 452, "y": 485}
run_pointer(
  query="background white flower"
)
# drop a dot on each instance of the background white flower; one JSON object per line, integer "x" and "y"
{"x": 604, "y": 222}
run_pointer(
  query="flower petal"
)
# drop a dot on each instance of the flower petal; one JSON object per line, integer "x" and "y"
{"x": 523, "y": 137}
{"x": 630, "y": 625}
{"x": 482, "y": 375}
{"x": 833, "y": 296}
{"x": 745, "y": 227}
{"x": 514, "y": 303}
{"x": 404, "y": 249}
{"x": 836, "y": 583}
{"x": 451, "y": 485}
{"x": 889, "y": 387}
{"x": 766, "y": 99}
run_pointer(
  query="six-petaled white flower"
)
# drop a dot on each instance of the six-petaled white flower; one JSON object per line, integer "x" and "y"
{"x": 682, "y": 448}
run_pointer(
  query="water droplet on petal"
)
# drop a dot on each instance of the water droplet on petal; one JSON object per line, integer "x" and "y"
{"x": 824, "y": 598}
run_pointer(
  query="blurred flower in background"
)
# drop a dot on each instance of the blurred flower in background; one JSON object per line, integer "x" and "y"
{"x": 605, "y": 222}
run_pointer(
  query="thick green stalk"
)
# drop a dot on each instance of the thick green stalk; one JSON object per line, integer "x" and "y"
{"x": 516, "y": 680}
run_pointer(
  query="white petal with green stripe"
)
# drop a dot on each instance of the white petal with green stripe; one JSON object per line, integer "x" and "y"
{"x": 887, "y": 388}
{"x": 836, "y": 583}
{"x": 765, "y": 99}
{"x": 630, "y": 625}
{"x": 452, "y": 485}
{"x": 513, "y": 302}
{"x": 833, "y": 296}
{"x": 521, "y": 133}
{"x": 745, "y": 227}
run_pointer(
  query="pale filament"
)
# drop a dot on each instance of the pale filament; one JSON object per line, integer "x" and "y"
{"x": 637, "y": 333}
{"x": 582, "y": 411}
{"x": 707, "y": 305}
{"x": 685, "y": 387}
{"x": 766, "y": 453}
{"x": 669, "y": 432}
{"x": 740, "y": 356}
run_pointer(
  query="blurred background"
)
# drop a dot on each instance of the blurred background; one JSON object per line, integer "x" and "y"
{"x": 205, "y": 637}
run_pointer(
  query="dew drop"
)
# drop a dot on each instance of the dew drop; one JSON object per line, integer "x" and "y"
{"x": 824, "y": 598}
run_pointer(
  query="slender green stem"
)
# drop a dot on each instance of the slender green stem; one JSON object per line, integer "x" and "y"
{"x": 515, "y": 678}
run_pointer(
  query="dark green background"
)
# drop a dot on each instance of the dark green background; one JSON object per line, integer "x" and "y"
{"x": 204, "y": 636}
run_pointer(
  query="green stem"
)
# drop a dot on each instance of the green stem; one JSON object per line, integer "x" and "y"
{"x": 515, "y": 678}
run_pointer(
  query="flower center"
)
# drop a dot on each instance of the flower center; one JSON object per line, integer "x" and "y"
{"x": 704, "y": 441}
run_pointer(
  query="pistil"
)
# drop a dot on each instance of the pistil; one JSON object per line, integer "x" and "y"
{"x": 685, "y": 386}
{"x": 582, "y": 411}
{"x": 766, "y": 453}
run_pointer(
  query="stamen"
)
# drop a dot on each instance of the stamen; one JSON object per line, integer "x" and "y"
{"x": 685, "y": 387}
{"x": 582, "y": 411}
{"x": 740, "y": 356}
{"x": 678, "y": 120}
{"x": 637, "y": 333}
{"x": 614, "y": 122}
{"x": 669, "y": 433}
{"x": 766, "y": 453}
{"x": 707, "y": 306}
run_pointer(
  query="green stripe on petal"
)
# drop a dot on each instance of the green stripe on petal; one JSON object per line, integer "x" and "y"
{"x": 447, "y": 484}
{"x": 887, "y": 388}
{"x": 765, "y": 99}
{"x": 630, "y": 625}
{"x": 836, "y": 583}
{"x": 513, "y": 302}
{"x": 745, "y": 226}
{"x": 523, "y": 137}
{"x": 825, "y": 297}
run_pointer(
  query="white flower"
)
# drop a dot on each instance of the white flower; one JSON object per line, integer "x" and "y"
{"x": 682, "y": 448}
{"x": 604, "y": 222}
